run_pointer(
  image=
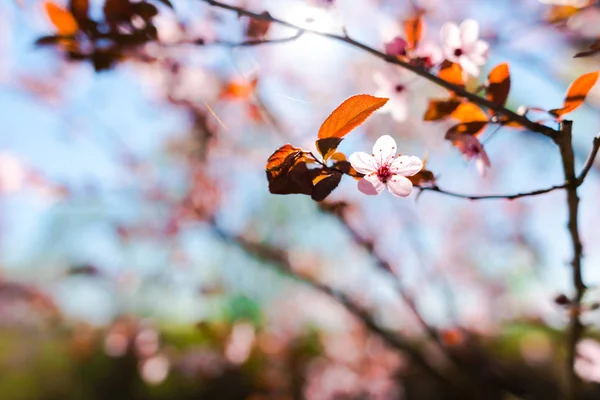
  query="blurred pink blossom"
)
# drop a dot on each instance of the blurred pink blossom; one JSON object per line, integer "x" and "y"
{"x": 461, "y": 45}
{"x": 471, "y": 148}
{"x": 12, "y": 173}
{"x": 397, "y": 105}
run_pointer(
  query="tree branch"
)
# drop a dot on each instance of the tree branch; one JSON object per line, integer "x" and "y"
{"x": 589, "y": 163}
{"x": 279, "y": 259}
{"x": 251, "y": 43}
{"x": 565, "y": 144}
{"x": 437, "y": 189}
{"x": 458, "y": 90}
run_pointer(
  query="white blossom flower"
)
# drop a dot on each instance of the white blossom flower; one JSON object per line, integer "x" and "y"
{"x": 462, "y": 45}
{"x": 382, "y": 169}
{"x": 397, "y": 105}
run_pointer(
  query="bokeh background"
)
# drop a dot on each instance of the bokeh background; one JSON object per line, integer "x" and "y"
{"x": 143, "y": 257}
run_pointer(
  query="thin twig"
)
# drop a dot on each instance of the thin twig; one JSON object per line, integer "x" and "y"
{"x": 589, "y": 163}
{"x": 437, "y": 189}
{"x": 251, "y": 43}
{"x": 458, "y": 90}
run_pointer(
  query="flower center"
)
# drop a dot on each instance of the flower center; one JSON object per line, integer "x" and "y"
{"x": 384, "y": 173}
{"x": 474, "y": 150}
{"x": 458, "y": 52}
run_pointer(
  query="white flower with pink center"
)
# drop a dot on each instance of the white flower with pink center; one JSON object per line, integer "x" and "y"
{"x": 396, "y": 92}
{"x": 462, "y": 45}
{"x": 382, "y": 169}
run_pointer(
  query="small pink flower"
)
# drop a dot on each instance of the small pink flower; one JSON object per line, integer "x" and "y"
{"x": 427, "y": 54}
{"x": 382, "y": 169}
{"x": 396, "y": 47}
{"x": 462, "y": 45}
{"x": 471, "y": 149}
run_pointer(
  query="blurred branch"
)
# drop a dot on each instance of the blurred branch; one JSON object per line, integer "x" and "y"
{"x": 251, "y": 43}
{"x": 458, "y": 90}
{"x": 278, "y": 258}
{"x": 480, "y": 368}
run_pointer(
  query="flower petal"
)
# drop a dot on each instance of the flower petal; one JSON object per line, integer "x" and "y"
{"x": 429, "y": 50}
{"x": 362, "y": 162}
{"x": 469, "y": 32}
{"x": 399, "y": 186}
{"x": 399, "y": 108}
{"x": 479, "y": 52}
{"x": 406, "y": 165}
{"x": 468, "y": 65}
{"x": 381, "y": 80}
{"x": 450, "y": 35}
{"x": 384, "y": 150}
{"x": 479, "y": 47}
{"x": 371, "y": 185}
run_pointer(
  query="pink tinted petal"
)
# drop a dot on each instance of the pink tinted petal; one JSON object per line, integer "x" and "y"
{"x": 429, "y": 50}
{"x": 399, "y": 186}
{"x": 406, "y": 165}
{"x": 362, "y": 162}
{"x": 381, "y": 81}
{"x": 399, "y": 107}
{"x": 371, "y": 185}
{"x": 384, "y": 150}
{"x": 480, "y": 48}
{"x": 396, "y": 47}
{"x": 450, "y": 35}
{"x": 367, "y": 188}
{"x": 468, "y": 66}
{"x": 480, "y": 165}
{"x": 484, "y": 157}
{"x": 469, "y": 32}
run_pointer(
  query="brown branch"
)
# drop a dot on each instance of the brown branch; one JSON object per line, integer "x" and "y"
{"x": 278, "y": 258}
{"x": 437, "y": 189}
{"x": 587, "y": 166}
{"x": 248, "y": 43}
{"x": 458, "y": 90}
{"x": 565, "y": 144}
{"x": 589, "y": 163}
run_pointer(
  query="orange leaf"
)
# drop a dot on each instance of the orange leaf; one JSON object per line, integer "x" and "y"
{"x": 576, "y": 93}
{"x": 238, "y": 89}
{"x": 438, "y": 109}
{"x": 63, "y": 20}
{"x": 328, "y": 146}
{"x": 279, "y": 156}
{"x": 413, "y": 29}
{"x": 451, "y": 72}
{"x": 559, "y": 13}
{"x": 467, "y": 128}
{"x": 498, "y": 85}
{"x": 350, "y": 114}
{"x": 469, "y": 112}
